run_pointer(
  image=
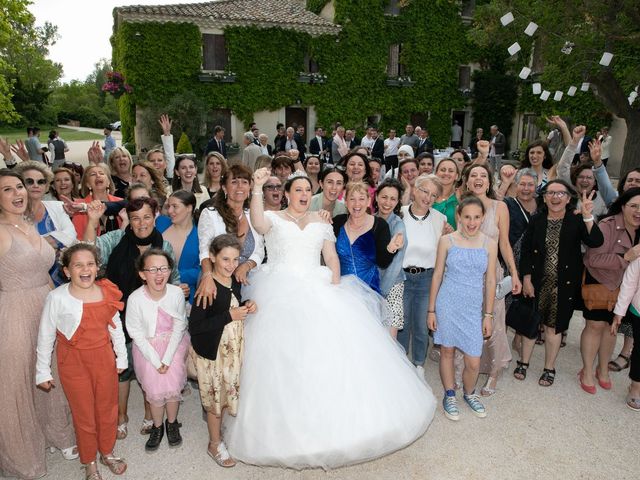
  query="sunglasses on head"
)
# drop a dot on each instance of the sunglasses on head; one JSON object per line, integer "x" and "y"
{"x": 30, "y": 181}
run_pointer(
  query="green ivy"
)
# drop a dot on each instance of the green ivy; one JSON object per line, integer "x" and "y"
{"x": 161, "y": 60}
{"x": 495, "y": 98}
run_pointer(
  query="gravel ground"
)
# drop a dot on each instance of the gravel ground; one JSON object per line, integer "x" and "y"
{"x": 530, "y": 432}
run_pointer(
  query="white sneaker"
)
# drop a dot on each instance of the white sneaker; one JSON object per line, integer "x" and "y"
{"x": 420, "y": 370}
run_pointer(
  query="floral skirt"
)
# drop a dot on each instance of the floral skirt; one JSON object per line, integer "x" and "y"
{"x": 219, "y": 379}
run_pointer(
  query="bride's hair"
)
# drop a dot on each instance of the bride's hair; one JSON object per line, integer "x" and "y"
{"x": 292, "y": 178}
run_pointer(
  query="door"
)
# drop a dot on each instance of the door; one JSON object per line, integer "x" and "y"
{"x": 222, "y": 117}
{"x": 295, "y": 117}
{"x": 460, "y": 116}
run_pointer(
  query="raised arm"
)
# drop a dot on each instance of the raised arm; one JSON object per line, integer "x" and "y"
{"x": 167, "y": 143}
{"x": 259, "y": 221}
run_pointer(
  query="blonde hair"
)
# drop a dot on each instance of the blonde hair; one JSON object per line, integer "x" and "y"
{"x": 38, "y": 166}
{"x": 356, "y": 187}
{"x": 223, "y": 163}
{"x": 84, "y": 188}
{"x": 122, "y": 151}
{"x": 429, "y": 178}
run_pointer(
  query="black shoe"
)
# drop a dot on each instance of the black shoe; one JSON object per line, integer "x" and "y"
{"x": 155, "y": 438}
{"x": 173, "y": 433}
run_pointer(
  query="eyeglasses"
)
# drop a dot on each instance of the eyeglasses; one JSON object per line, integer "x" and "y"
{"x": 556, "y": 194}
{"x": 273, "y": 188}
{"x": 156, "y": 270}
{"x": 30, "y": 181}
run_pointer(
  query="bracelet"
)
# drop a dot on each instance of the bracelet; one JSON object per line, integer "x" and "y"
{"x": 431, "y": 311}
{"x": 487, "y": 314}
{"x": 588, "y": 219}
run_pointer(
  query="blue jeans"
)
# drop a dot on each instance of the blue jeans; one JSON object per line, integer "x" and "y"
{"x": 416, "y": 304}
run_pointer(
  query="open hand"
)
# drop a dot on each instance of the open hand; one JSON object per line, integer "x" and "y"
{"x": 94, "y": 154}
{"x": 595, "y": 150}
{"x": 165, "y": 122}
{"x": 20, "y": 150}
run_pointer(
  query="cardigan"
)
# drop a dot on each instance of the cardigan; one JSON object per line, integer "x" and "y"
{"x": 629, "y": 289}
{"x": 63, "y": 312}
{"x": 606, "y": 263}
{"x": 394, "y": 273}
{"x": 65, "y": 232}
{"x": 381, "y": 234}
{"x": 189, "y": 264}
{"x": 207, "y": 324}
{"x": 142, "y": 316}
{"x": 533, "y": 257}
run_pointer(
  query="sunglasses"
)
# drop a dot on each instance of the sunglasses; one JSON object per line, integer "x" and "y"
{"x": 273, "y": 188}
{"x": 30, "y": 182}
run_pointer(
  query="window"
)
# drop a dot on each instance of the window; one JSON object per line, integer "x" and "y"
{"x": 392, "y": 8}
{"x": 214, "y": 52}
{"x": 395, "y": 67}
{"x": 464, "y": 78}
{"x": 310, "y": 65}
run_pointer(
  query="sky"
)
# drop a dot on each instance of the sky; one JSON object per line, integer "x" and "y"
{"x": 84, "y": 28}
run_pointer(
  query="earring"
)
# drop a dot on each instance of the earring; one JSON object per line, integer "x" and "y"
{"x": 225, "y": 195}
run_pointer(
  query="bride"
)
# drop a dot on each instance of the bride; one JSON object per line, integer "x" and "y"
{"x": 323, "y": 383}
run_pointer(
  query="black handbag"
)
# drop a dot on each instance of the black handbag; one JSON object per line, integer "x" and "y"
{"x": 523, "y": 316}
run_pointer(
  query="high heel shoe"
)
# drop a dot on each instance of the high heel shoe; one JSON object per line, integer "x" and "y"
{"x": 70, "y": 453}
{"x": 587, "y": 388}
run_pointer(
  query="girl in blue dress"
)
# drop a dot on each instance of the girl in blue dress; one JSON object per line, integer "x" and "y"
{"x": 465, "y": 263}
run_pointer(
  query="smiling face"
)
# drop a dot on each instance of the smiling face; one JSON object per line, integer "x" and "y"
{"x": 631, "y": 212}
{"x": 424, "y": 195}
{"x": 36, "y": 184}
{"x": 357, "y": 202}
{"x": 459, "y": 158}
{"x": 63, "y": 184}
{"x": 409, "y": 172}
{"x": 632, "y": 180}
{"x": 13, "y": 196}
{"x": 478, "y": 181}
{"x": 332, "y": 186}
{"x": 142, "y": 221}
{"x": 177, "y": 211}
{"x": 426, "y": 166}
{"x": 585, "y": 181}
{"x": 375, "y": 171}
{"x": 214, "y": 167}
{"x": 387, "y": 199}
{"x": 97, "y": 179}
{"x": 225, "y": 261}
{"x": 536, "y": 156}
{"x": 273, "y": 192}
{"x": 157, "y": 160}
{"x": 299, "y": 195}
{"x": 187, "y": 170}
{"x": 140, "y": 174}
{"x": 156, "y": 280}
{"x": 355, "y": 169}
{"x": 557, "y": 198}
{"x": 121, "y": 162}
{"x": 525, "y": 188}
{"x": 82, "y": 269}
{"x": 469, "y": 220}
{"x": 447, "y": 172}
{"x": 313, "y": 166}
{"x": 282, "y": 172}
{"x": 236, "y": 189}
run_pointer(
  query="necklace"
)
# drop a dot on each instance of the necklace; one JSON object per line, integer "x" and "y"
{"x": 296, "y": 220}
{"x": 467, "y": 237}
{"x": 421, "y": 219}
{"x": 26, "y": 233}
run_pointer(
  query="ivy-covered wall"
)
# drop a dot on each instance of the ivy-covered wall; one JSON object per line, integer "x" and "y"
{"x": 163, "y": 60}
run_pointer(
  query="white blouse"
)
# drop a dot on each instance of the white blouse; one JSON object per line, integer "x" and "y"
{"x": 422, "y": 238}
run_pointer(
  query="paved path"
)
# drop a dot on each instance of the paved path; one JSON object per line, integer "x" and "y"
{"x": 530, "y": 433}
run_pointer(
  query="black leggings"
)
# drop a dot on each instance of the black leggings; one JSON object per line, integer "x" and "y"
{"x": 634, "y": 370}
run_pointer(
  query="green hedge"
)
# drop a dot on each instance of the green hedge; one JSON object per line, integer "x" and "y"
{"x": 495, "y": 98}
{"x": 164, "y": 60}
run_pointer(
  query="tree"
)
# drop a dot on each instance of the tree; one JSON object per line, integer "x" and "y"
{"x": 593, "y": 27}
{"x": 27, "y": 77}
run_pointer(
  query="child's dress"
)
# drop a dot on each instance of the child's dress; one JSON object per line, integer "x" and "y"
{"x": 460, "y": 317}
{"x": 150, "y": 351}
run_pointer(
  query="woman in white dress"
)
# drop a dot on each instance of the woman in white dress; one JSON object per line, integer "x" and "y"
{"x": 323, "y": 383}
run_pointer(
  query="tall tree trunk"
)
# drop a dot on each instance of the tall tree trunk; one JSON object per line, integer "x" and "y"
{"x": 610, "y": 93}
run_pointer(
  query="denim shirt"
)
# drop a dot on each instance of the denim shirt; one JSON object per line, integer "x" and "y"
{"x": 394, "y": 273}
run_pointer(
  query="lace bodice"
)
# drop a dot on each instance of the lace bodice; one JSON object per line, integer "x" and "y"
{"x": 288, "y": 245}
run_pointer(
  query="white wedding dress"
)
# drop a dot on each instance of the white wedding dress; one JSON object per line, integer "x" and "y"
{"x": 323, "y": 384}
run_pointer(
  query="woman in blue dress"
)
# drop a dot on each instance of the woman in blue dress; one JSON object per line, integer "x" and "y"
{"x": 466, "y": 263}
{"x": 363, "y": 242}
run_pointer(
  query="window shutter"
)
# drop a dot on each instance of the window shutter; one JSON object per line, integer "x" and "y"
{"x": 392, "y": 63}
{"x": 214, "y": 52}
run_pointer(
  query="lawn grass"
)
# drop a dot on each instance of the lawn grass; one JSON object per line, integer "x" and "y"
{"x": 67, "y": 134}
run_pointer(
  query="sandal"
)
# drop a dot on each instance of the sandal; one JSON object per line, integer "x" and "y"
{"x": 563, "y": 340}
{"x": 633, "y": 403}
{"x": 70, "y": 453}
{"x": 122, "y": 431}
{"x": 117, "y": 465}
{"x": 547, "y": 378}
{"x": 147, "y": 425}
{"x": 614, "y": 366}
{"x": 222, "y": 457}
{"x": 487, "y": 391}
{"x": 520, "y": 372}
{"x": 93, "y": 475}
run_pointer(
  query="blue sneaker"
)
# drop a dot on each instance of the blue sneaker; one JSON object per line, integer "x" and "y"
{"x": 450, "y": 406}
{"x": 474, "y": 404}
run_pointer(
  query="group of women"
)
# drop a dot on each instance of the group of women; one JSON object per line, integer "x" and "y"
{"x": 399, "y": 245}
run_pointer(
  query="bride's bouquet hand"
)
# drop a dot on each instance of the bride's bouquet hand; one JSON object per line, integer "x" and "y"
{"x": 261, "y": 176}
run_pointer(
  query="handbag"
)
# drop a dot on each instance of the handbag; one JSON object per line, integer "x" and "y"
{"x": 503, "y": 288}
{"x": 523, "y": 316}
{"x": 597, "y": 296}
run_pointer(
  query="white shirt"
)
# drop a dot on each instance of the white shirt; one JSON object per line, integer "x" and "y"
{"x": 422, "y": 238}
{"x": 142, "y": 317}
{"x": 391, "y": 146}
{"x": 456, "y": 133}
{"x": 368, "y": 142}
{"x": 63, "y": 312}
{"x": 606, "y": 146}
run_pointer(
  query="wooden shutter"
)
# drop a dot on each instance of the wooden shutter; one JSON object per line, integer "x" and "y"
{"x": 214, "y": 52}
{"x": 392, "y": 62}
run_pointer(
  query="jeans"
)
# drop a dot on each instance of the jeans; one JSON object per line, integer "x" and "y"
{"x": 416, "y": 304}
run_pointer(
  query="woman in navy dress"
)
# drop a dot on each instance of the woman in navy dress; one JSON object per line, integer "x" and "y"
{"x": 363, "y": 242}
